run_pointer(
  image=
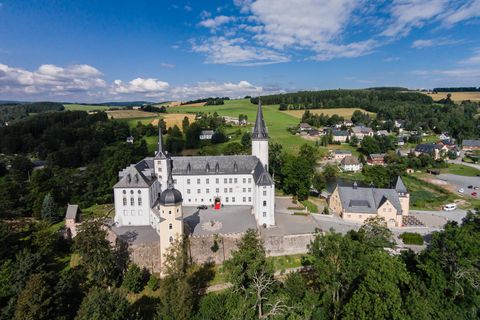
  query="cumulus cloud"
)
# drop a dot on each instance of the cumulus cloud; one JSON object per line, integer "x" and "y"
{"x": 213, "y": 23}
{"x": 85, "y": 83}
{"x": 221, "y": 50}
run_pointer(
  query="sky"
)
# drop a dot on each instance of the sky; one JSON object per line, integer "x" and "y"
{"x": 118, "y": 50}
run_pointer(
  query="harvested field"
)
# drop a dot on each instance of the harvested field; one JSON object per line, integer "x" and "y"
{"x": 129, "y": 114}
{"x": 456, "y": 96}
{"x": 174, "y": 119}
{"x": 342, "y": 112}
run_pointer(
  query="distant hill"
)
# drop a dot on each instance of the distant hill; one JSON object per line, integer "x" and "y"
{"x": 389, "y": 88}
{"x": 118, "y": 103}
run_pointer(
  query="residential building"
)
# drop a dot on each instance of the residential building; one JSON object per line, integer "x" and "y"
{"x": 350, "y": 164}
{"x": 437, "y": 151}
{"x": 471, "y": 145}
{"x": 361, "y": 131}
{"x": 383, "y": 133}
{"x": 304, "y": 127}
{"x": 130, "y": 139}
{"x": 339, "y": 155}
{"x": 206, "y": 134}
{"x": 357, "y": 204}
{"x": 340, "y": 135}
{"x": 376, "y": 159}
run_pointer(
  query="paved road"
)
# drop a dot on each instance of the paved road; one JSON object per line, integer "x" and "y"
{"x": 459, "y": 161}
{"x": 461, "y": 182}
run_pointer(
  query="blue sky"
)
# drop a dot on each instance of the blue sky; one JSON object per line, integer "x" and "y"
{"x": 176, "y": 50}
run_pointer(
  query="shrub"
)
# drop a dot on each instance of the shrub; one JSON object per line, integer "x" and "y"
{"x": 153, "y": 283}
{"x": 412, "y": 238}
{"x": 133, "y": 280}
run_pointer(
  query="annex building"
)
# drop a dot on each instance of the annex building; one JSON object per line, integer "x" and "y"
{"x": 356, "y": 204}
{"x": 214, "y": 181}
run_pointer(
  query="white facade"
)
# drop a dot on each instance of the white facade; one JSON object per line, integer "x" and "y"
{"x": 260, "y": 150}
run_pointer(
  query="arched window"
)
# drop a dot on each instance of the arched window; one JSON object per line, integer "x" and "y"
{"x": 170, "y": 226}
{"x": 139, "y": 192}
{"x": 124, "y": 191}
{"x": 124, "y": 201}
{"x": 132, "y": 201}
{"x": 131, "y": 191}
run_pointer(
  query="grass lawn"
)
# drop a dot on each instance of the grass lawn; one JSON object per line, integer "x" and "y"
{"x": 342, "y": 112}
{"x": 82, "y": 107}
{"x": 276, "y": 121}
{"x": 99, "y": 210}
{"x": 461, "y": 170}
{"x": 312, "y": 207}
{"x": 426, "y": 196}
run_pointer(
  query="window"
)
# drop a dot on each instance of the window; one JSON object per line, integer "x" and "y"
{"x": 235, "y": 180}
{"x": 131, "y": 191}
{"x": 198, "y": 181}
{"x": 264, "y": 214}
{"x": 139, "y": 201}
{"x": 188, "y": 181}
{"x": 170, "y": 239}
{"x": 225, "y": 180}
{"x": 124, "y": 201}
{"x": 225, "y": 190}
{"x": 249, "y": 189}
{"x": 139, "y": 192}
{"x": 244, "y": 180}
{"x": 226, "y": 199}
{"x": 169, "y": 211}
{"x": 233, "y": 199}
{"x": 230, "y": 180}
{"x": 189, "y": 200}
{"x": 201, "y": 200}
{"x": 217, "y": 180}
{"x": 188, "y": 191}
{"x": 198, "y": 190}
{"x": 124, "y": 191}
{"x": 231, "y": 190}
{"x": 175, "y": 181}
{"x": 132, "y": 212}
{"x": 170, "y": 226}
{"x": 244, "y": 199}
{"x": 208, "y": 190}
{"x": 207, "y": 181}
{"x": 177, "y": 210}
{"x": 132, "y": 201}
{"x": 249, "y": 180}
{"x": 244, "y": 189}
{"x": 264, "y": 203}
{"x": 217, "y": 190}
{"x": 264, "y": 192}
{"x": 249, "y": 199}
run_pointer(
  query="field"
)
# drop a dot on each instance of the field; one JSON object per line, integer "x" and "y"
{"x": 456, "y": 96}
{"x": 81, "y": 107}
{"x": 172, "y": 119}
{"x": 342, "y": 112}
{"x": 276, "y": 121}
{"x": 129, "y": 114}
{"x": 461, "y": 170}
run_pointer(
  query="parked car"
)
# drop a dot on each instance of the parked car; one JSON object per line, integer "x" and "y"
{"x": 461, "y": 190}
{"x": 475, "y": 188}
{"x": 474, "y": 194}
{"x": 449, "y": 207}
{"x": 202, "y": 207}
{"x": 470, "y": 187}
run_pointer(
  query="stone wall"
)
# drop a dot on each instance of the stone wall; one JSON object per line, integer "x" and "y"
{"x": 146, "y": 255}
{"x": 287, "y": 244}
{"x": 200, "y": 248}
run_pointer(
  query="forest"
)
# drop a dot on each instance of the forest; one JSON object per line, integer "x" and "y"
{"x": 350, "y": 276}
{"x": 15, "y": 111}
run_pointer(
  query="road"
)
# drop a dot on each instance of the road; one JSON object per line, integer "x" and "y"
{"x": 459, "y": 161}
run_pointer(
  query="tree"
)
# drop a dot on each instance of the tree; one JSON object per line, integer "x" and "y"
{"x": 219, "y": 136}
{"x": 330, "y": 171}
{"x": 103, "y": 304}
{"x": 49, "y": 209}
{"x": 36, "y": 301}
{"x": 185, "y": 124}
{"x": 246, "y": 139}
{"x": 3, "y": 169}
{"x": 297, "y": 176}
{"x": 375, "y": 233}
{"x": 319, "y": 182}
{"x": 134, "y": 279}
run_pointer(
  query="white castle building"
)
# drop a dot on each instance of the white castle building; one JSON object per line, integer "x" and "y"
{"x": 239, "y": 180}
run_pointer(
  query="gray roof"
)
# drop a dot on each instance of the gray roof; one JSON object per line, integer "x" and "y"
{"x": 349, "y": 160}
{"x": 471, "y": 143}
{"x": 260, "y": 130}
{"x": 340, "y": 133}
{"x": 361, "y": 129}
{"x": 140, "y": 175}
{"x": 196, "y": 165}
{"x": 161, "y": 154}
{"x": 428, "y": 147}
{"x": 170, "y": 196}
{"x": 261, "y": 176}
{"x": 400, "y": 186}
{"x": 343, "y": 152}
{"x": 72, "y": 211}
{"x": 367, "y": 200}
{"x": 207, "y": 132}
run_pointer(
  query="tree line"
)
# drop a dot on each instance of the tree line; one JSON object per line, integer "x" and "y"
{"x": 15, "y": 111}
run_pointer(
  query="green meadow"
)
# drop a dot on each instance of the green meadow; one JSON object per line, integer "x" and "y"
{"x": 83, "y": 107}
{"x": 276, "y": 121}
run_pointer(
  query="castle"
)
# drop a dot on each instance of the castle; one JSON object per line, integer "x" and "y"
{"x": 154, "y": 191}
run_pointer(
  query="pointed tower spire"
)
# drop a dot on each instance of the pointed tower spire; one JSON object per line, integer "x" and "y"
{"x": 160, "y": 151}
{"x": 260, "y": 130}
{"x": 170, "y": 173}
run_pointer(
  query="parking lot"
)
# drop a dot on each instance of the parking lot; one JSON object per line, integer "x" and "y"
{"x": 462, "y": 182}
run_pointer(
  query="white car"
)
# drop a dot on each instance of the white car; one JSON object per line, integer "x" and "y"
{"x": 449, "y": 207}
{"x": 461, "y": 190}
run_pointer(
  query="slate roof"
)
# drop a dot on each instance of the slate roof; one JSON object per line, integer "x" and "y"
{"x": 140, "y": 175}
{"x": 340, "y": 133}
{"x": 367, "y": 200}
{"x": 161, "y": 154}
{"x": 400, "y": 186}
{"x": 361, "y": 129}
{"x": 377, "y": 156}
{"x": 72, "y": 211}
{"x": 170, "y": 196}
{"x": 260, "y": 130}
{"x": 207, "y": 132}
{"x": 343, "y": 152}
{"x": 471, "y": 143}
{"x": 349, "y": 161}
{"x": 428, "y": 147}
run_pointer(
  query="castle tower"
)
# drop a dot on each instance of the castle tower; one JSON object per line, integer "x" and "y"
{"x": 403, "y": 196}
{"x": 160, "y": 161}
{"x": 171, "y": 215}
{"x": 260, "y": 138}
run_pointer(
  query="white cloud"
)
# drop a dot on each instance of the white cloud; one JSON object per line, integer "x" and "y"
{"x": 167, "y": 65}
{"x": 187, "y": 8}
{"x": 464, "y": 12}
{"x": 327, "y": 51}
{"x": 463, "y": 74}
{"x": 474, "y": 59}
{"x": 84, "y": 83}
{"x": 436, "y": 42}
{"x": 214, "y": 23}
{"x": 409, "y": 14}
{"x": 391, "y": 59}
{"x": 221, "y": 50}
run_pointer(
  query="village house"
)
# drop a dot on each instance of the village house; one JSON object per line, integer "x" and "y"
{"x": 206, "y": 134}
{"x": 400, "y": 141}
{"x": 72, "y": 218}
{"x": 436, "y": 151}
{"x": 304, "y": 127}
{"x": 376, "y": 159}
{"x": 130, "y": 139}
{"x": 348, "y": 123}
{"x": 471, "y": 145}
{"x": 357, "y": 204}
{"x": 361, "y": 131}
{"x": 381, "y": 133}
{"x": 339, "y": 155}
{"x": 350, "y": 164}
{"x": 340, "y": 135}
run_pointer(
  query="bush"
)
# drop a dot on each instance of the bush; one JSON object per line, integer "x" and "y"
{"x": 412, "y": 238}
{"x": 153, "y": 283}
{"x": 133, "y": 280}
